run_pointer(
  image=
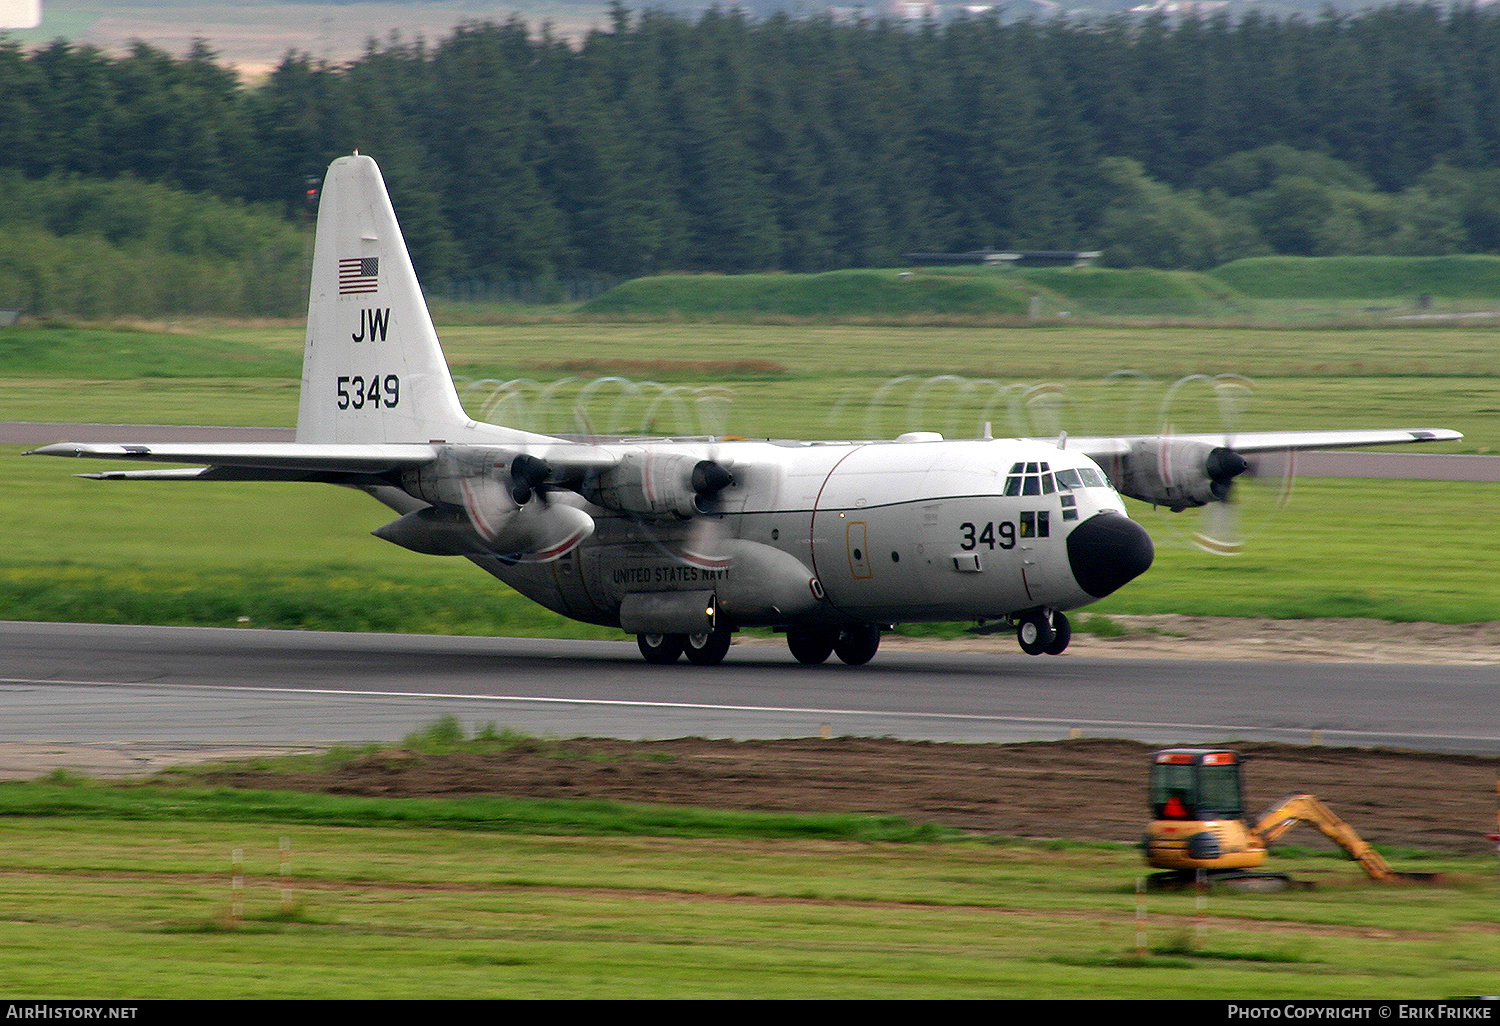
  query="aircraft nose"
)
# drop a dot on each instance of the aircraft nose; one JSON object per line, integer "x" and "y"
{"x": 1107, "y": 551}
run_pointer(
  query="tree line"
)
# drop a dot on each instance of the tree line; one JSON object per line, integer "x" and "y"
{"x": 732, "y": 143}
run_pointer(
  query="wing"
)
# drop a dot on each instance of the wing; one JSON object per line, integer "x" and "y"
{"x": 301, "y": 461}
{"x": 1267, "y": 441}
{"x": 1178, "y": 471}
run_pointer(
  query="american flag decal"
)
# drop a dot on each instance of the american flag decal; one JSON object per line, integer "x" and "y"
{"x": 358, "y": 274}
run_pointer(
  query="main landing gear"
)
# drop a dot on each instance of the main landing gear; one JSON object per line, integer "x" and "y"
{"x": 1043, "y": 630}
{"x": 854, "y": 645}
{"x": 701, "y": 649}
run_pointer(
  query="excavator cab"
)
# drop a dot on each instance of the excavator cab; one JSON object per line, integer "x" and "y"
{"x": 1196, "y": 784}
{"x": 1198, "y": 812}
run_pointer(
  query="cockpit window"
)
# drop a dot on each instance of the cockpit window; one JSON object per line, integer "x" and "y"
{"x": 1083, "y": 477}
{"x": 1038, "y": 479}
{"x": 1030, "y": 479}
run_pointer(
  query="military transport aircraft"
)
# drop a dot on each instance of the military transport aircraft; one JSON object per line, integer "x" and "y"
{"x": 683, "y": 541}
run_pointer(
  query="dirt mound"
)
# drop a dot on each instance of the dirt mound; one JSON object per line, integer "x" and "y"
{"x": 1084, "y": 789}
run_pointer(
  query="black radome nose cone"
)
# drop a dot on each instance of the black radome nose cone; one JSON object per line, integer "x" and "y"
{"x": 1108, "y": 551}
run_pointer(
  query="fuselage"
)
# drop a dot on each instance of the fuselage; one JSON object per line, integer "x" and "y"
{"x": 875, "y": 532}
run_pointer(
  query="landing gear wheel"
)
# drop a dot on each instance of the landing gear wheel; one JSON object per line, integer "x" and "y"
{"x": 707, "y": 649}
{"x": 811, "y": 647}
{"x": 660, "y": 649}
{"x": 1062, "y": 633}
{"x": 856, "y": 645}
{"x": 1034, "y": 632}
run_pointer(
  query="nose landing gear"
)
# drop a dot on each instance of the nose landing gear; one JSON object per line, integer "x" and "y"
{"x": 1043, "y": 630}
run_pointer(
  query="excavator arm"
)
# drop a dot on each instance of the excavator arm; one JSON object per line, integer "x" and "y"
{"x": 1306, "y": 808}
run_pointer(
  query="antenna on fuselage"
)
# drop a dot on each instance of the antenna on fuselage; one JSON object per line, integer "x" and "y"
{"x": 1062, "y": 440}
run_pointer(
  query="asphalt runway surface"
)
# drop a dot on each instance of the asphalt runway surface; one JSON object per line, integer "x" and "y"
{"x": 100, "y": 683}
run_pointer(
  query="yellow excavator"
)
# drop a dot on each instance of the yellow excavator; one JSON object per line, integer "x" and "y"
{"x": 1198, "y": 822}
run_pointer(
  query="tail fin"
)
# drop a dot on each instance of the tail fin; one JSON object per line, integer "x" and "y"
{"x": 373, "y": 370}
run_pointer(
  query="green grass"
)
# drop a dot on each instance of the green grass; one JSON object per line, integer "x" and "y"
{"x": 140, "y": 909}
{"x": 1256, "y": 289}
{"x": 1128, "y": 292}
{"x": 63, "y": 350}
{"x": 839, "y": 294}
{"x": 1403, "y": 551}
{"x": 1365, "y": 277}
{"x": 177, "y": 801}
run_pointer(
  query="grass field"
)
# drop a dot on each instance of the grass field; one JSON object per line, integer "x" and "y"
{"x": 861, "y": 293}
{"x": 126, "y": 893}
{"x": 826, "y": 380}
{"x": 1272, "y": 291}
{"x": 1365, "y": 277}
{"x": 300, "y": 556}
{"x": 144, "y": 908}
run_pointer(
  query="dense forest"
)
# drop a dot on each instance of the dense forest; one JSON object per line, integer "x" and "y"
{"x": 732, "y": 143}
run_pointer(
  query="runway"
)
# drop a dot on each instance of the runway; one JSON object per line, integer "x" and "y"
{"x": 180, "y": 685}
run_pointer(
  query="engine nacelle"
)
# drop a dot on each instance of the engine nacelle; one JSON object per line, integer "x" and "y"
{"x": 449, "y": 479}
{"x": 485, "y": 502}
{"x": 656, "y": 484}
{"x": 1179, "y": 473}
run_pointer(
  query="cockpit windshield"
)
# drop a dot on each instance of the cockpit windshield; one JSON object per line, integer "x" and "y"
{"x": 1039, "y": 479}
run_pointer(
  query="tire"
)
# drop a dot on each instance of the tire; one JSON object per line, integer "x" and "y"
{"x": 1034, "y": 633}
{"x": 1062, "y": 633}
{"x": 660, "y": 649}
{"x": 707, "y": 649}
{"x": 811, "y": 647}
{"x": 857, "y": 645}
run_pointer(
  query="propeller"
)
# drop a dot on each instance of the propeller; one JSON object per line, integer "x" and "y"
{"x": 1237, "y": 481}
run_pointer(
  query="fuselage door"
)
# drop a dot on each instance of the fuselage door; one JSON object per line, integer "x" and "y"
{"x": 857, "y": 542}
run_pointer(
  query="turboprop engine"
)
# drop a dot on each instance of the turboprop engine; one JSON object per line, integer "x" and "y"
{"x": 486, "y": 504}
{"x": 652, "y": 483}
{"x": 1177, "y": 473}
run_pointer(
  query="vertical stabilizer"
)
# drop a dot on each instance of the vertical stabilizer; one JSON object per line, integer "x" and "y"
{"x": 373, "y": 370}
